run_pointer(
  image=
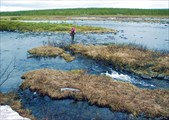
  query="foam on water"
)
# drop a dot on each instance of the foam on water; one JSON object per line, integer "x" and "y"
{"x": 126, "y": 78}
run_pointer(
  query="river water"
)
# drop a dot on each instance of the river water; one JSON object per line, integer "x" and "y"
{"x": 150, "y": 35}
{"x": 15, "y": 61}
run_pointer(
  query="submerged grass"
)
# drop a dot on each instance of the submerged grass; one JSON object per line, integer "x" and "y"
{"x": 90, "y": 11}
{"x": 99, "y": 90}
{"x": 13, "y": 100}
{"x": 50, "y": 51}
{"x": 126, "y": 57}
{"x": 53, "y": 27}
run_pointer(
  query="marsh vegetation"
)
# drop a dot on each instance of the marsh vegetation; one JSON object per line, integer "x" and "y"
{"x": 42, "y": 27}
{"x": 84, "y": 85}
{"x": 50, "y": 51}
{"x": 130, "y": 58}
{"x": 99, "y": 90}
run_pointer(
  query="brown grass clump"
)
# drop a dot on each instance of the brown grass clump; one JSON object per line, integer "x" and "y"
{"x": 67, "y": 57}
{"x": 12, "y": 99}
{"x": 50, "y": 51}
{"x": 99, "y": 90}
{"x": 130, "y": 58}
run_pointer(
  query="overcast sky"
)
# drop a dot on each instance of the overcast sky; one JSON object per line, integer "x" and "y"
{"x": 17, "y": 5}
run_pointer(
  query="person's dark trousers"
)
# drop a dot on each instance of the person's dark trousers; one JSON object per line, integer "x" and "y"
{"x": 73, "y": 39}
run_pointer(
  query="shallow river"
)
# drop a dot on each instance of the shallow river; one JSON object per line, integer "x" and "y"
{"x": 14, "y": 56}
{"x": 151, "y": 35}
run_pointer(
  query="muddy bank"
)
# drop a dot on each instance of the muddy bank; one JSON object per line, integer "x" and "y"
{"x": 49, "y": 51}
{"x": 145, "y": 63}
{"x": 13, "y": 100}
{"x": 99, "y": 90}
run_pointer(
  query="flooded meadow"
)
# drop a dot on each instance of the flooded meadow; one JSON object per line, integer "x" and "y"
{"x": 15, "y": 61}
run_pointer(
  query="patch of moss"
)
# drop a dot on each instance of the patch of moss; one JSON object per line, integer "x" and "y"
{"x": 99, "y": 90}
{"x": 13, "y": 100}
{"x": 126, "y": 57}
{"x": 50, "y": 51}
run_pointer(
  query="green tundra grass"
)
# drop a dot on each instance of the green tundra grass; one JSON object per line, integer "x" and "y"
{"x": 90, "y": 11}
{"x": 52, "y": 27}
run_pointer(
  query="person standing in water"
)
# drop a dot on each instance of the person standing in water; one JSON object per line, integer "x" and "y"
{"x": 72, "y": 34}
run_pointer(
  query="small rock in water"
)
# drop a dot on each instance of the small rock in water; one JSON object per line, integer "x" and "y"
{"x": 160, "y": 76}
{"x": 146, "y": 77}
{"x": 49, "y": 34}
{"x": 166, "y": 78}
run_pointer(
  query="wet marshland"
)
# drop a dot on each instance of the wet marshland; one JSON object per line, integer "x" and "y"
{"x": 14, "y": 47}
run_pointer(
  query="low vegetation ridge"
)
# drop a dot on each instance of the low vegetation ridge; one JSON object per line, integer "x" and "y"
{"x": 145, "y": 63}
{"x": 53, "y": 27}
{"x": 99, "y": 90}
{"x": 90, "y": 11}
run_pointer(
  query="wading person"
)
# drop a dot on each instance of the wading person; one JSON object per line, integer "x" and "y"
{"x": 72, "y": 34}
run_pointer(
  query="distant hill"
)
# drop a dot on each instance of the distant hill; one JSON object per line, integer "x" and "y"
{"x": 90, "y": 11}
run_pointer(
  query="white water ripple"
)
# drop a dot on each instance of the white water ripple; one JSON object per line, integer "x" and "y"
{"x": 126, "y": 78}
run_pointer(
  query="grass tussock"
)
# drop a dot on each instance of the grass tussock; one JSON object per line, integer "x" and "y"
{"x": 99, "y": 90}
{"x": 53, "y": 27}
{"x": 50, "y": 51}
{"x": 127, "y": 57}
{"x": 12, "y": 99}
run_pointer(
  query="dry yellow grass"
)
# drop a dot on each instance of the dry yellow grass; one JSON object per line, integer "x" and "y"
{"x": 99, "y": 90}
{"x": 67, "y": 57}
{"x": 130, "y": 58}
{"x": 13, "y": 100}
{"x": 50, "y": 51}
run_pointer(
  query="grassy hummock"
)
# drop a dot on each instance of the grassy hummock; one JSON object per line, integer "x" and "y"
{"x": 12, "y": 99}
{"x": 99, "y": 90}
{"x": 49, "y": 27}
{"x": 50, "y": 51}
{"x": 130, "y": 58}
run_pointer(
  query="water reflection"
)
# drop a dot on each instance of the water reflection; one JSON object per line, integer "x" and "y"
{"x": 45, "y": 108}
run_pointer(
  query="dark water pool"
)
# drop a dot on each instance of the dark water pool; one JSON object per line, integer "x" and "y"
{"x": 45, "y": 108}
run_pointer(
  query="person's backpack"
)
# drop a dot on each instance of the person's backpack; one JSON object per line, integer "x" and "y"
{"x": 73, "y": 31}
